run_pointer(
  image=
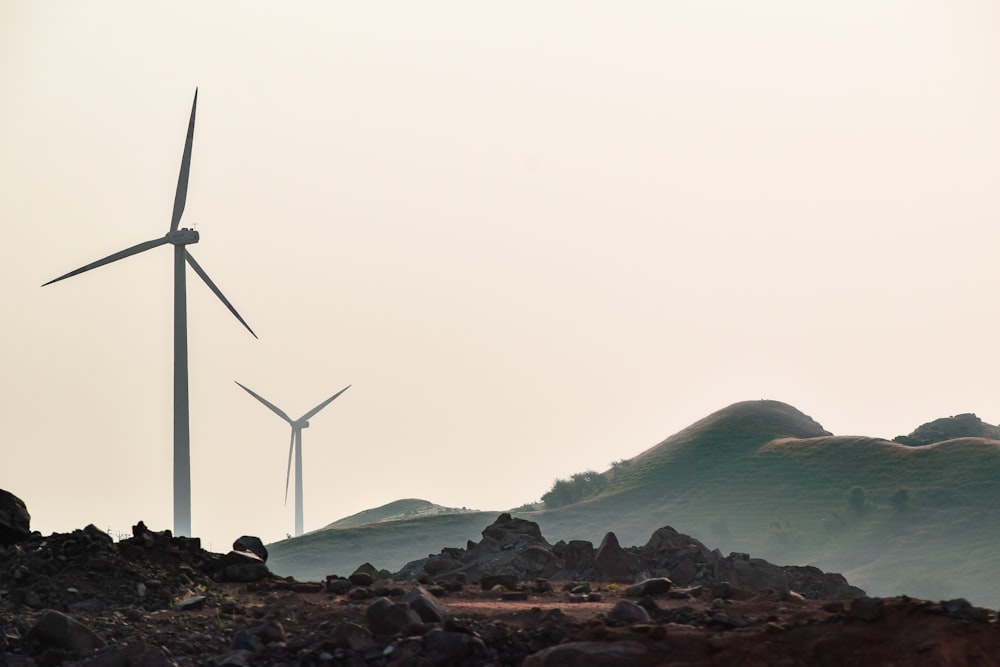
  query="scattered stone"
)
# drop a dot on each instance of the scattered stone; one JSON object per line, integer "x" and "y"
{"x": 336, "y": 585}
{"x": 443, "y": 647}
{"x": 386, "y": 617}
{"x": 58, "y": 630}
{"x": 626, "y": 613}
{"x": 426, "y": 605}
{"x": 655, "y": 586}
{"x": 191, "y": 603}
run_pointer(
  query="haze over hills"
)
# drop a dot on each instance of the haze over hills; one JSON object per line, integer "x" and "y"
{"x": 760, "y": 477}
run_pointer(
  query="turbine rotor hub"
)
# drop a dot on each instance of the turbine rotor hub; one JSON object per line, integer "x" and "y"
{"x": 183, "y": 236}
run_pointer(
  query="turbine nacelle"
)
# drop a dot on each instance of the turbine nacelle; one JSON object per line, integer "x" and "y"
{"x": 183, "y": 236}
{"x": 300, "y": 424}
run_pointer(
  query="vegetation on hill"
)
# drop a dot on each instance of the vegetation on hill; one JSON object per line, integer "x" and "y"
{"x": 579, "y": 487}
{"x": 966, "y": 425}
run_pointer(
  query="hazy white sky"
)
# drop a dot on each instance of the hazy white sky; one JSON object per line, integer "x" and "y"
{"x": 536, "y": 237}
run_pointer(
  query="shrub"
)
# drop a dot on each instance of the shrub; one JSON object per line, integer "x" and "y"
{"x": 576, "y": 488}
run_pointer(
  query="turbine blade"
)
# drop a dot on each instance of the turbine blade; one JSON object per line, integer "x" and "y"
{"x": 288, "y": 475}
{"x": 182, "y": 179}
{"x": 322, "y": 405}
{"x": 278, "y": 411}
{"x": 208, "y": 281}
{"x": 122, "y": 254}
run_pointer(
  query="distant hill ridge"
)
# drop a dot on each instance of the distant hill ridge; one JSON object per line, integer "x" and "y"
{"x": 406, "y": 508}
{"x": 735, "y": 431}
{"x": 966, "y": 425}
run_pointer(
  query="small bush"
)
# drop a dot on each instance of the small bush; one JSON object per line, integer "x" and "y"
{"x": 576, "y": 488}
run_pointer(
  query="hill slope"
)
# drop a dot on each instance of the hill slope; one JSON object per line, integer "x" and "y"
{"x": 760, "y": 477}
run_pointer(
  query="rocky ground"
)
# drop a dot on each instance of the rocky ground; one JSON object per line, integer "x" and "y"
{"x": 511, "y": 599}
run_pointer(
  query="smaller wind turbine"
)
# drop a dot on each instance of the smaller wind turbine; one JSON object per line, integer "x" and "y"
{"x": 296, "y": 446}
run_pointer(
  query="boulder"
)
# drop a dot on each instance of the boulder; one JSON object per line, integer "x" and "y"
{"x": 253, "y": 545}
{"x": 61, "y": 631}
{"x": 654, "y": 586}
{"x": 578, "y": 555}
{"x": 365, "y": 575}
{"x": 444, "y": 647}
{"x": 507, "y": 529}
{"x": 386, "y": 617}
{"x": 613, "y": 561}
{"x": 426, "y": 605}
{"x": 626, "y": 613}
{"x": 15, "y": 522}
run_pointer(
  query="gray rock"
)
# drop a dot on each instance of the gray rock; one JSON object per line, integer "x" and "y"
{"x": 426, "y": 605}
{"x": 654, "y": 586}
{"x": 251, "y": 544}
{"x": 15, "y": 522}
{"x": 246, "y": 640}
{"x": 386, "y": 617}
{"x": 191, "y": 603}
{"x": 365, "y": 575}
{"x": 355, "y": 636}
{"x": 505, "y": 526}
{"x": 578, "y": 555}
{"x": 627, "y": 613}
{"x": 58, "y": 630}
{"x": 246, "y": 572}
{"x": 337, "y": 586}
{"x": 443, "y": 647}
{"x": 613, "y": 561}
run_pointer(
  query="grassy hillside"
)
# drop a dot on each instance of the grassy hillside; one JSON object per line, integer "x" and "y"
{"x": 760, "y": 477}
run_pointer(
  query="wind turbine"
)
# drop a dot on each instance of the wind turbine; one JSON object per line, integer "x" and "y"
{"x": 179, "y": 238}
{"x": 296, "y": 445}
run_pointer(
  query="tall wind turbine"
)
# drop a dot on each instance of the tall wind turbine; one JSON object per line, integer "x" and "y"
{"x": 296, "y": 446}
{"x": 179, "y": 238}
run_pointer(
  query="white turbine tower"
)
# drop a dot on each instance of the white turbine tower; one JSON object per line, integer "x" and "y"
{"x": 295, "y": 445}
{"x": 179, "y": 238}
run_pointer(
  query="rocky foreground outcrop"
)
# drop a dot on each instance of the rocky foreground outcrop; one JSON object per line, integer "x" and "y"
{"x": 154, "y": 600}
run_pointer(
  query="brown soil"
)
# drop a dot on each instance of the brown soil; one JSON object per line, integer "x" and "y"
{"x": 299, "y": 628}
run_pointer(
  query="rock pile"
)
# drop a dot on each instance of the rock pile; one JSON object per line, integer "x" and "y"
{"x": 515, "y": 548}
{"x": 87, "y": 570}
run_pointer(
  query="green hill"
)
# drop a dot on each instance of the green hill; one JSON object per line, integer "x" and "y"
{"x": 759, "y": 477}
